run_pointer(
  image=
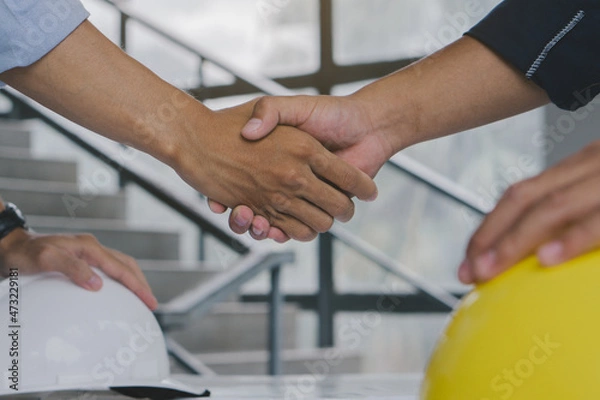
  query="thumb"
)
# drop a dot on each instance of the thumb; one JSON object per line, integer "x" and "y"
{"x": 272, "y": 111}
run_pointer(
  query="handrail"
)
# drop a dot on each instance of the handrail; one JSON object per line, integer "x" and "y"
{"x": 438, "y": 183}
{"x": 392, "y": 266}
{"x": 194, "y": 304}
{"x": 261, "y": 83}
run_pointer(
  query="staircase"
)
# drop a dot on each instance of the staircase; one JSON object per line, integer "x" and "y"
{"x": 231, "y": 339}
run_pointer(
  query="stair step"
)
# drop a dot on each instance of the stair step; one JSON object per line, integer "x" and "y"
{"x": 235, "y": 326}
{"x": 61, "y": 199}
{"x": 168, "y": 280}
{"x": 15, "y": 134}
{"x": 116, "y": 234}
{"x": 14, "y": 152}
{"x": 16, "y": 165}
{"x": 326, "y": 361}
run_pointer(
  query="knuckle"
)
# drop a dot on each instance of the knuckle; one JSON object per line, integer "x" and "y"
{"x": 305, "y": 234}
{"x": 304, "y": 147}
{"x": 87, "y": 238}
{"x": 324, "y": 224}
{"x": 130, "y": 261}
{"x": 508, "y": 248}
{"x": 319, "y": 161}
{"x": 344, "y": 210}
{"x": 477, "y": 244}
{"x": 348, "y": 181}
{"x": 280, "y": 202}
{"x": 557, "y": 200}
{"x": 295, "y": 180}
{"x": 518, "y": 193}
{"x": 262, "y": 104}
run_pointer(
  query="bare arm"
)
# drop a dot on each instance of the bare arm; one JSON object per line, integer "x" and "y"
{"x": 462, "y": 86}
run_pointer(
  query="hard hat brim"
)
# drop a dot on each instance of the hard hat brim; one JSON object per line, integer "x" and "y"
{"x": 165, "y": 389}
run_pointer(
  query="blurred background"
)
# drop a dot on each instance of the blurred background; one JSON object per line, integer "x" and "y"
{"x": 412, "y": 224}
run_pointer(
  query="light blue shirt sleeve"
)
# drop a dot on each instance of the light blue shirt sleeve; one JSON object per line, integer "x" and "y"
{"x": 29, "y": 29}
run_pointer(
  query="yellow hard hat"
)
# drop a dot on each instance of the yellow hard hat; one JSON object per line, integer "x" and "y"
{"x": 533, "y": 333}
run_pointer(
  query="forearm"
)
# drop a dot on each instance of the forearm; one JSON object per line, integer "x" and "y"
{"x": 463, "y": 86}
{"x": 89, "y": 80}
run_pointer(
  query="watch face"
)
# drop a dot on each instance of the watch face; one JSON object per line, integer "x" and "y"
{"x": 18, "y": 213}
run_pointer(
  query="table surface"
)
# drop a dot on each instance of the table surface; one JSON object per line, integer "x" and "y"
{"x": 300, "y": 387}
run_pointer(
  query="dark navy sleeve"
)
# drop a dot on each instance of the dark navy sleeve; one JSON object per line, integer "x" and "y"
{"x": 555, "y": 43}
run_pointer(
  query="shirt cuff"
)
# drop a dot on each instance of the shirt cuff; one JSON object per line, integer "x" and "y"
{"x": 35, "y": 28}
{"x": 552, "y": 42}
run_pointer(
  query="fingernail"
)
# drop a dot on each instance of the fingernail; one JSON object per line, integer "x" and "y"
{"x": 94, "y": 283}
{"x": 551, "y": 253}
{"x": 374, "y": 197}
{"x": 464, "y": 272}
{"x": 485, "y": 263}
{"x": 252, "y": 125}
{"x": 155, "y": 301}
{"x": 256, "y": 231}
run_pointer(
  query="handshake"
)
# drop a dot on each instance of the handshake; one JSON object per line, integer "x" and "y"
{"x": 301, "y": 160}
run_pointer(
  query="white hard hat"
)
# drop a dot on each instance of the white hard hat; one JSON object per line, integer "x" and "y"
{"x": 56, "y": 336}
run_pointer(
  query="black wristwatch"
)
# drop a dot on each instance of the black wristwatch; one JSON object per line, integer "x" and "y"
{"x": 10, "y": 219}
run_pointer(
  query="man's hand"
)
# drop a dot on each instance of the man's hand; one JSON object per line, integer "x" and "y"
{"x": 341, "y": 124}
{"x": 72, "y": 255}
{"x": 555, "y": 215}
{"x": 286, "y": 178}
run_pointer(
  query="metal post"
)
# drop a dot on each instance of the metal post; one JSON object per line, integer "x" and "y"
{"x": 201, "y": 73}
{"x": 324, "y": 80}
{"x": 123, "y": 31}
{"x": 275, "y": 323}
{"x": 201, "y": 245}
{"x": 123, "y": 180}
{"x": 326, "y": 290}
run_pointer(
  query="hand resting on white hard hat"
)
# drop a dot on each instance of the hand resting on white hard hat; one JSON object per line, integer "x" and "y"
{"x": 32, "y": 253}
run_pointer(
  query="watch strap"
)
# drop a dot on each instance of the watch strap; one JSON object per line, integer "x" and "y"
{"x": 10, "y": 219}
